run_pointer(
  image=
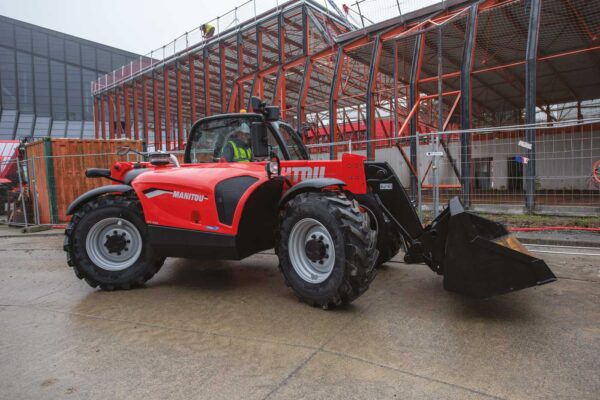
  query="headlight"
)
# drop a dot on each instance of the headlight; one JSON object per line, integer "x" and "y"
{"x": 273, "y": 168}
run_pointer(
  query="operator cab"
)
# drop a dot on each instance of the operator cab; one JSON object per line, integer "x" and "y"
{"x": 228, "y": 138}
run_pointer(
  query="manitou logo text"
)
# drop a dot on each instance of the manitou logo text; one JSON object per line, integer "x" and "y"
{"x": 298, "y": 174}
{"x": 189, "y": 196}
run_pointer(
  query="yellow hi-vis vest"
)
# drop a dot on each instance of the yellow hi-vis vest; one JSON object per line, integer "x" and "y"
{"x": 240, "y": 154}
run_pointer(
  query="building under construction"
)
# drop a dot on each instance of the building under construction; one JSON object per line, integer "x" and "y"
{"x": 508, "y": 89}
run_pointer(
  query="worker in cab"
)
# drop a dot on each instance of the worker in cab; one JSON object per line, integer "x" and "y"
{"x": 238, "y": 147}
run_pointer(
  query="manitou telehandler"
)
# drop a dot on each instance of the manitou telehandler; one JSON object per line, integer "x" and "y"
{"x": 331, "y": 222}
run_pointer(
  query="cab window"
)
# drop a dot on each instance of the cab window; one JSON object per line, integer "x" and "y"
{"x": 222, "y": 139}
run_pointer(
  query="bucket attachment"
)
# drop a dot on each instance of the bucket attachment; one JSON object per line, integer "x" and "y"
{"x": 479, "y": 257}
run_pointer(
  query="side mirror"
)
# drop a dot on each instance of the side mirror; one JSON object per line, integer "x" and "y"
{"x": 256, "y": 104}
{"x": 260, "y": 143}
{"x": 272, "y": 113}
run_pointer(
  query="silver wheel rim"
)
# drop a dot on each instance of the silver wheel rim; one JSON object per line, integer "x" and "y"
{"x": 113, "y": 244}
{"x": 316, "y": 268}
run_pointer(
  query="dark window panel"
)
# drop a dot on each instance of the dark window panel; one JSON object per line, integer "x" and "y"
{"x": 88, "y": 56}
{"x": 57, "y": 47}
{"x": 74, "y": 96}
{"x": 88, "y": 101}
{"x": 89, "y": 130}
{"x": 25, "y": 125}
{"x": 119, "y": 61}
{"x": 74, "y": 129}
{"x": 42, "y": 126}
{"x": 8, "y": 120}
{"x": 25, "y": 82}
{"x": 40, "y": 43}
{"x": 23, "y": 38}
{"x": 58, "y": 84}
{"x": 8, "y": 78}
{"x": 72, "y": 52}
{"x": 7, "y": 37}
{"x": 58, "y": 128}
{"x": 103, "y": 60}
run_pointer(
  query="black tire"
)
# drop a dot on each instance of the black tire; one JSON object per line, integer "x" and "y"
{"x": 98, "y": 209}
{"x": 353, "y": 241}
{"x": 389, "y": 241}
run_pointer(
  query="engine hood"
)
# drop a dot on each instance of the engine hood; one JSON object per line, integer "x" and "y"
{"x": 201, "y": 176}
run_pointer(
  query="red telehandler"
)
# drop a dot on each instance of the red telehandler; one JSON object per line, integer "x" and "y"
{"x": 331, "y": 222}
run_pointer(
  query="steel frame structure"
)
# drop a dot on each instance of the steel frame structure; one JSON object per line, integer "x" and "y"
{"x": 336, "y": 84}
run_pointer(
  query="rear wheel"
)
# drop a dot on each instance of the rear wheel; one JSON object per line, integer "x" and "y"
{"x": 106, "y": 244}
{"x": 326, "y": 248}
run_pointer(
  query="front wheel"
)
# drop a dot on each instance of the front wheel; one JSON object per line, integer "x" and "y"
{"x": 389, "y": 240}
{"x": 106, "y": 244}
{"x": 326, "y": 248}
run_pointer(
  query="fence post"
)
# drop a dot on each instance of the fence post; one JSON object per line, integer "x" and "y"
{"x": 436, "y": 138}
{"x": 373, "y": 69}
{"x": 34, "y": 193}
{"x": 413, "y": 95}
{"x": 333, "y": 101}
{"x": 465, "y": 105}
{"x": 530, "y": 100}
{"x": 23, "y": 207}
{"x": 50, "y": 181}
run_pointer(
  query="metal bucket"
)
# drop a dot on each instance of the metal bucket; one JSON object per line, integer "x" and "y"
{"x": 481, "y": 258}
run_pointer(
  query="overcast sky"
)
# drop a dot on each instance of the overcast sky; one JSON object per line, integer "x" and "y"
{"x": 133, "y": 25}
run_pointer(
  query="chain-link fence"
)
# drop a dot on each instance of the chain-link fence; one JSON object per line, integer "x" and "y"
{"x": 566, "y": 167}
{"x": 431, "y": 166}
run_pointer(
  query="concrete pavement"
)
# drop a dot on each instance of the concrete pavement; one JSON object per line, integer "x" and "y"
{"x": 232, "y": 330}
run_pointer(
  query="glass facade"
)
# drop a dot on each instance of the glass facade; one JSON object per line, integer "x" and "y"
{"x": 45, "y": 81}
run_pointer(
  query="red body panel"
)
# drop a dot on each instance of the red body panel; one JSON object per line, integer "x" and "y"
{"x": 184, "y": 197}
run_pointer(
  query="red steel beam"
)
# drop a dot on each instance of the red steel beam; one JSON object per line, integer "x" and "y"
{"x": 157, "y": 127}
{"x": 192, "y": 89}
{"x": 168, "y": 132}
{"x": 373, "y": 94}
{"x": 111, "y": 118}
{"x": 127, "y": 112}
{"x": 223, "y": 78}
{"x": 136, "y": 107}
{"x": 207, "y": 111}
{"x": 96, "y": 126}
{"x": 103, "y": 116}
{"x": 118, "y": 107}
{"x": 304, "y": 95}
{"x": 179, "y": 110}
{"x": 336, "y": 91}
{"x": 145, "y": 108}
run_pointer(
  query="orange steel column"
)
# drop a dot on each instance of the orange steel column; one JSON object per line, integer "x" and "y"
{"x": 145, "y": 109}
{"x": 136, "y": 107}
{"x": 96, "y": 126}
{"x": 223, "y": 73}
{"x": 127, "y": 110}
{"x": 207, "y": 111}
{"x": 192, "y": 89}
{"x": 157, "y": 127}
{"x": 118, "y": 107}
{"x": 179, "y": 110}
{"x": 103, "y": 116}
{"x": 168, "y": 131}
{"x": 111, "y": 118}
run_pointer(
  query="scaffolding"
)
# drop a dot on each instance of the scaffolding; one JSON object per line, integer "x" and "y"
{"x": 453, "y": 66}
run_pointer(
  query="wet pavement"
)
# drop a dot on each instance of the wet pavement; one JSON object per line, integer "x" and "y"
{"x": 233, "y": 330}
